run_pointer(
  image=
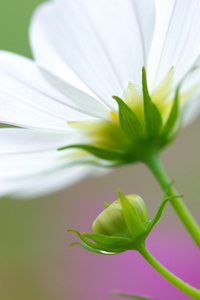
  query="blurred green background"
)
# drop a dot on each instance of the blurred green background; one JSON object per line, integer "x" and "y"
{"x": 35, "y": 262}
{"x": 14, "y": 22}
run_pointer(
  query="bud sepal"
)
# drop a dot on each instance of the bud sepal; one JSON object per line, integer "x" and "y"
{"x": 123, "y": 225}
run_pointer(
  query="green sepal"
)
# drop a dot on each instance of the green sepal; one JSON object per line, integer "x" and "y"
{"x": 94, "y": 162}
{"x": 83, "y": 245}
{"x": 173, "y": 135}
{"x": 131, "y": 216}
{"x": 128, "y": 121}
{"x": 107, "y": 204}
{"x": 90, "y": 244}
{"x": 99, "y": 152}
{"x": 136, "y": 297}
{"x": 153, "y": 119}
{"x": 158, "y": 214}
{"x": 160, "y": 211}
{"x": 172, "y": 116}
{"x": 112, "y": 242}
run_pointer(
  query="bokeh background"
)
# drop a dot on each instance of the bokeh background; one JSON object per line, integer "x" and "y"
{"x": 35, "y": 261}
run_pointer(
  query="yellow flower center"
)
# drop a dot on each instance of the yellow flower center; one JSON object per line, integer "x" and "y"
{"x": 162, "y": 97}
{"x": 110, "y": 134}
{"x": 114, "y": 116}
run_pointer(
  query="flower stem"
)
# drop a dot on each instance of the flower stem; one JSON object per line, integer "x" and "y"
{"x": 155, "y": 165}
{"x": 184, "y": 287}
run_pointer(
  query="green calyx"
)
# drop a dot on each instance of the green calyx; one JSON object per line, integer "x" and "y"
{"x": 123, "y": 225}
{"x": 135, "y": 131}
{"x": 150, "y": 132}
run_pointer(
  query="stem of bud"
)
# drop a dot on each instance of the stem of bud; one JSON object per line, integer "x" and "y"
{"x": 184, "y": 287}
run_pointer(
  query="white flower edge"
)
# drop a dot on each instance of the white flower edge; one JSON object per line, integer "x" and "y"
{"x": 29, "y": 156}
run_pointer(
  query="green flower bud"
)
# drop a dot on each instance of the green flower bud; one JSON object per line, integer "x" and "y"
{"x": 123, "y": 225}
{"x": 112, "y": 221}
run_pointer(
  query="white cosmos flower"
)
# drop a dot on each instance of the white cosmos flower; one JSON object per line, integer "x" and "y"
{"x": 105, "y": 44}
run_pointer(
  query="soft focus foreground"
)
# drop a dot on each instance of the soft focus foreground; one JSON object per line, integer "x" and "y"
{"x": 35, "y": 260}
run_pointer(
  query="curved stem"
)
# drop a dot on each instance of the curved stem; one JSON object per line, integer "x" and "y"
{"x": 184, "y": 287}
{"x": 155, "y": 165}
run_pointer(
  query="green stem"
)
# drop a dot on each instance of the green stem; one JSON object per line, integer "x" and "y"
{"x": 155, "y": 165}
{"x": 184, "y": 287}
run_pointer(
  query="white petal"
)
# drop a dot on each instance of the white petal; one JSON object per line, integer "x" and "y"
{"x": 44, "y": 183}
{"x": 26, "y": 152}
{"x": 31, "y": 165}
{"x": 28, "y": 100}
{"x": 18, "y": 140}
{"x": 176, "y": 41}
{"x": 193, "y": 110}
{"x": 191, "y": 88}
{"x": 191, "y": 81}
{"x": 15, "y": 112}
{"x": 76, "y": 98}
{"x": 22, "y": 165}
{"x": 105, "y": 43}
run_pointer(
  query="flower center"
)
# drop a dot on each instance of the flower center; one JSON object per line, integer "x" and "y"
{"x": 145, "y": 120}
{"x": 161, "y": 96}
{"x": 114, "y": 116}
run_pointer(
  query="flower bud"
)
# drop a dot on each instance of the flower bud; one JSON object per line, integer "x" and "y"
{"x": 123, "y": 225}
{"x": 124, "y": 217}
